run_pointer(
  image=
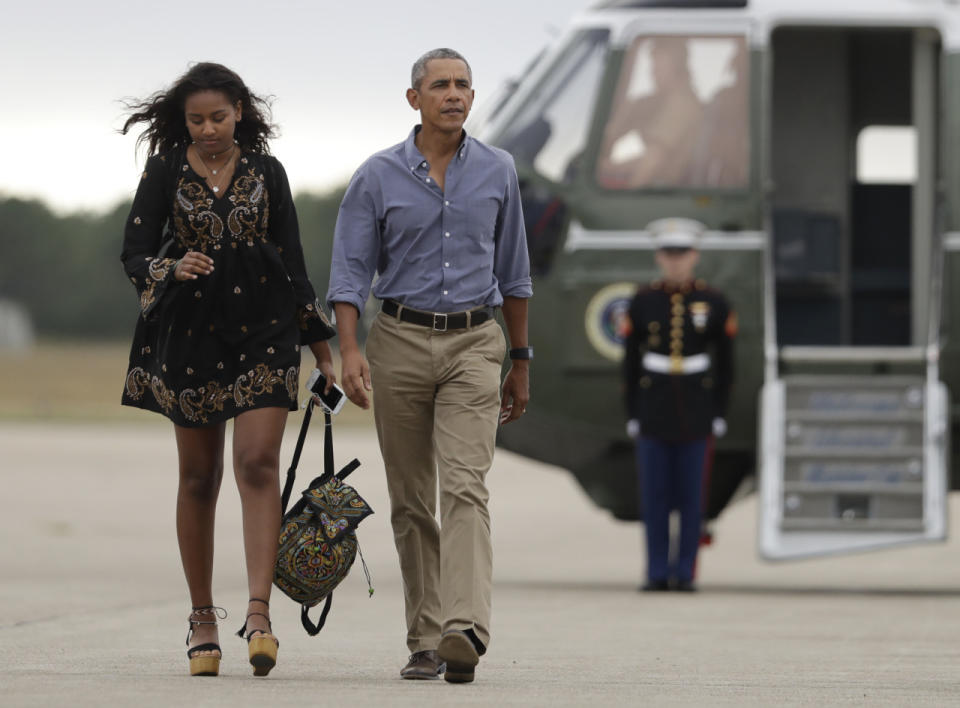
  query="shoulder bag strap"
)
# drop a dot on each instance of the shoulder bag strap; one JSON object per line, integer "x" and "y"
{"x": 173, "y": 179}
{"x": 327, "y": 453}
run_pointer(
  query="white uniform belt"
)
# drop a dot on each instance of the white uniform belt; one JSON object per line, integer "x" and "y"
{"x": 663, "y": 364}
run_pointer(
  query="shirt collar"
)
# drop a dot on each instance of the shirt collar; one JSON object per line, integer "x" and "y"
{"x": 416, "y": 159}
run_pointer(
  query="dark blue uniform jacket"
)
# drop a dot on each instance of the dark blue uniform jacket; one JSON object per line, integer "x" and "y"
{"x": 677, "y": 323}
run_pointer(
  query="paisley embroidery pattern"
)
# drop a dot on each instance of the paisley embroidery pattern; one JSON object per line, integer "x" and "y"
{"x": 250, "y": 206}
{"x": 199, "y": 228}
{"x": 309, "y": 312}
{"x": 139, "y": 380}
{"x": 158, "y": 271}
{"x": 293, "y": 381}
{"x": 196, "y": 405}
{"x": 255, "y": 382}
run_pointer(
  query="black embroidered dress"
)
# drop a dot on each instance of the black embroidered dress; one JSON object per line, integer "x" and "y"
{"x": 206, "y": 350}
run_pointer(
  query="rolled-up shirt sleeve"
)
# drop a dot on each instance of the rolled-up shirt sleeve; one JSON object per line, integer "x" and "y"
{"x": 511, "y": 261}
{"x": 356, "y": 244}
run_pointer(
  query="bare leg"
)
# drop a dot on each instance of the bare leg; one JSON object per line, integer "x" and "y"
{"x": 257, "y": 435}
{"x": 200, "y": 454}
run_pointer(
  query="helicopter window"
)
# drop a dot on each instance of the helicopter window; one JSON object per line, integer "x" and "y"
{"x": 551, "y": 130}
{"x": 679, "y": 116}
{"x": 485, "y": 111}
{"x": 887, "y": 154}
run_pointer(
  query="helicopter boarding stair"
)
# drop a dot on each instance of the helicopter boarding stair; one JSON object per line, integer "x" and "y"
{"x": 852, "y": 461}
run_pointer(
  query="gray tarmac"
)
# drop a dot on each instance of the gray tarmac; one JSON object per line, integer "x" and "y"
{"x": 94, "y": 604}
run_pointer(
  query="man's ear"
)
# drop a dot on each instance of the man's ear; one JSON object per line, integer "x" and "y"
{"x": 413, "y": 98}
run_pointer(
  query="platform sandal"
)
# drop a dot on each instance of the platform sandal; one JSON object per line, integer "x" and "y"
{"x": 262, "y": 646}
{"x": 207, "y": 664}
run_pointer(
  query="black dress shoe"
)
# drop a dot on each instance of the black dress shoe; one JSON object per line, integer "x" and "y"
{"x": 655, "y": 586}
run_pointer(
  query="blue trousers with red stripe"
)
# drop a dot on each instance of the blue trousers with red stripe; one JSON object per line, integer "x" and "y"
{"x": 671, "y": 477}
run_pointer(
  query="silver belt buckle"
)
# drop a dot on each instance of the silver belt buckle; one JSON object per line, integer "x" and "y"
{"x": 439, "y": 328}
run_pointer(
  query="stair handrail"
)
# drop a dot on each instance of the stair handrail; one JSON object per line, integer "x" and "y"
{"x": 770, "y": 352}
{"x": 935, "y": 311}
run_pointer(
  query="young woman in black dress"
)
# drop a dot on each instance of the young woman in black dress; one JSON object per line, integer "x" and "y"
{"x": 213, "y": 247}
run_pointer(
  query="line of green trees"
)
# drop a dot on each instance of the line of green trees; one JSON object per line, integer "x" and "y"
{"x": 66, "y": 269}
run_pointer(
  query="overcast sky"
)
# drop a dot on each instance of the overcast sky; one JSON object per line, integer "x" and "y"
{"x": 338, "y": 71}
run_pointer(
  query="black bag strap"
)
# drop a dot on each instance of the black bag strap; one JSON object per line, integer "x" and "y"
{"x": 327, "y": 453}
{"x": 169, "y": 195}
{"x": 343, "y": 473}
{"x": 328, "y": 472}
{"x": 314, "y": 629}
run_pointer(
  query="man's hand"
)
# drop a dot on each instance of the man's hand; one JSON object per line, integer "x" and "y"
{"x": 515, "y": 393}
{"x": 355, "y": 374}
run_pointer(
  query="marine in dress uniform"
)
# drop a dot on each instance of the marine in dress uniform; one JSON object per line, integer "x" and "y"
{"x": 678, "y": 371}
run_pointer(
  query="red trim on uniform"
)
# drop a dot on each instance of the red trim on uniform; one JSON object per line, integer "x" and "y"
{"x": 732, "y": 326}
{"x": 548, "y": 213}
{"x": 706, "y": 539}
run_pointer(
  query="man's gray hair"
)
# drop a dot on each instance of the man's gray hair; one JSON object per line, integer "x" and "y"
{"x": 420, "y": 65}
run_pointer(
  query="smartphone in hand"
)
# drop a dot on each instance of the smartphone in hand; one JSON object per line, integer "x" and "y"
{"x": 332, "y": 401}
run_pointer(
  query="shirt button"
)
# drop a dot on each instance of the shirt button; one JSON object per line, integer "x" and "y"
{"x": 447, "y": 234}
{"x": 428, "y": 180}
{"x": 446, "y": 265}
{"x": 445, "y": 292}
{"x": 446, "y": 203}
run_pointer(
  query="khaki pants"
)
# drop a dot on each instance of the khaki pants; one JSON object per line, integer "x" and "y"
{"x": 437, "y": 400}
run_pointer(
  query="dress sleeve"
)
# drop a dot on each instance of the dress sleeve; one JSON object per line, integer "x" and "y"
{"x": 151, "y": 274}
{"x": 285, "y": 232}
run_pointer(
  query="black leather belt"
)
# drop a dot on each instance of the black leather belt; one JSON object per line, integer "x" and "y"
{"x": 438, "y": 321}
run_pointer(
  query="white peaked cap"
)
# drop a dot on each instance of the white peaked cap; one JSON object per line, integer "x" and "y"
{"x": 676, "y": 232}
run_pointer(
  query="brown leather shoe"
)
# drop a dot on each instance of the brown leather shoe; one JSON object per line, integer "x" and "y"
{"x": 423, "y": 665}
{"x": 460, "y": 655}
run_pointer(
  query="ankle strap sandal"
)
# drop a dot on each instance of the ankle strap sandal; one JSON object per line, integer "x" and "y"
{"x": 261, "y": 646}
{"x": 207, "y": 664}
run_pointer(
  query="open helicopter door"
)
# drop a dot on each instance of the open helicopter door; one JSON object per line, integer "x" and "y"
{"x": 853, "y": 425}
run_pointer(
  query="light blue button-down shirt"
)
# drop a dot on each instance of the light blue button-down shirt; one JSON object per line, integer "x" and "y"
{"x": 436, "y": 250}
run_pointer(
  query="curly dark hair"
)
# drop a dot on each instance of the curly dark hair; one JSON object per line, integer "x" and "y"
{"x": 163, "y": 112}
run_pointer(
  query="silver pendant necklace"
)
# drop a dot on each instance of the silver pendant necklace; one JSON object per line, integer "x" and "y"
{"x": 215, "y": 186}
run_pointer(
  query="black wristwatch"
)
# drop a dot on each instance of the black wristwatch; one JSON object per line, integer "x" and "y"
{"x": 521, "y": 353}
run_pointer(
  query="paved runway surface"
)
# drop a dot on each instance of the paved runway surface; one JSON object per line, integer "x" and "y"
{"x": 94, "y": 604}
